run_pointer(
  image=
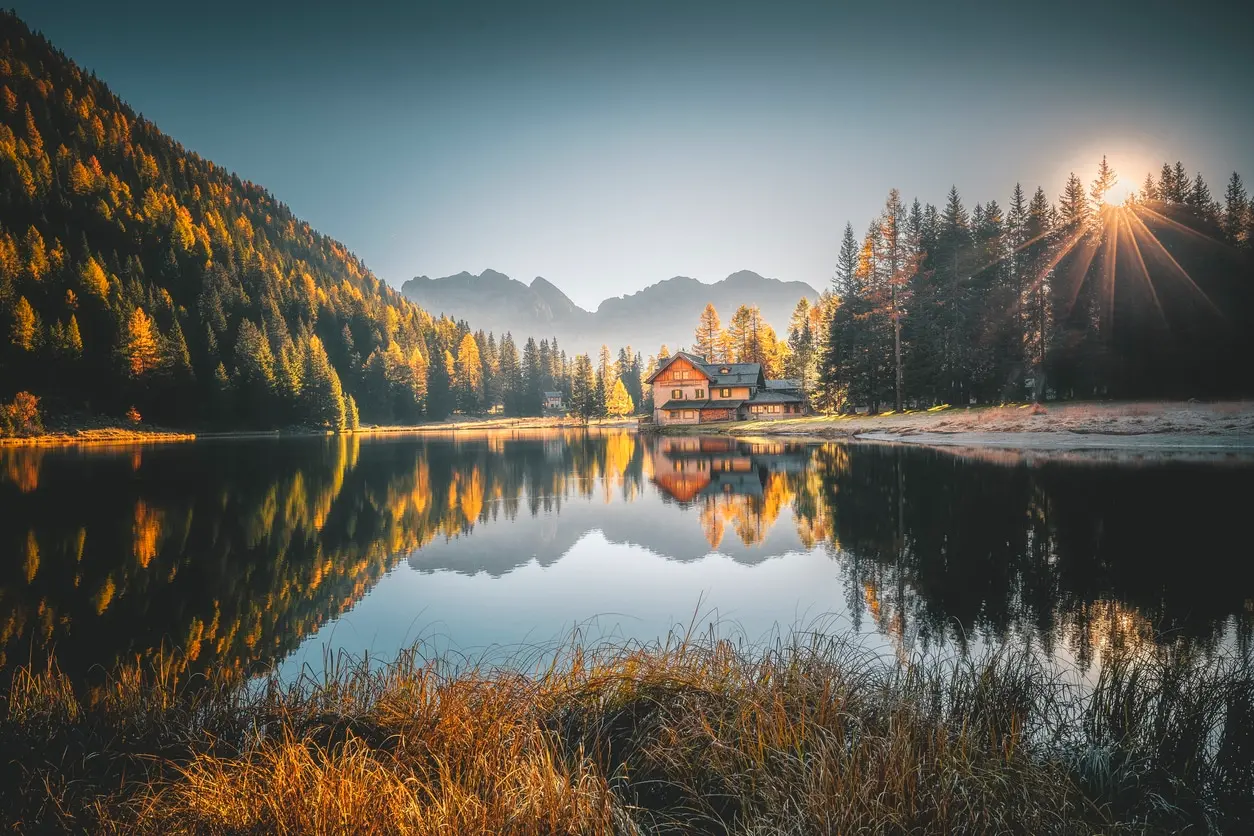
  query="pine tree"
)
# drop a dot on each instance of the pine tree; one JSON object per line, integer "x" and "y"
{"x": 323, "y": 395}
{"x": 1236, "y": 204}
{"x": 1103, "y": 183}
{"x": 254, "y": 367}
{"x": 802, "y": 358}
{"x": 950, "y": 303}
{"x": 533, "y": 399}
{"x": 1180, "y": 184}
{"x": 1073, "y": 206}
{"x": 1149, "y": 191}
{"x": 709, "y": 329}
{"x": 891, "y": 294}
{"x": 846, "y": 264}
{"x": 1198, "y": 197}
{"x": 511, "y": 382}
{"x": 583, "y": 388}
{"x": 1036, "y": 293}
{"x": 352, "y": 417}
{"x": 1167, "y": 190}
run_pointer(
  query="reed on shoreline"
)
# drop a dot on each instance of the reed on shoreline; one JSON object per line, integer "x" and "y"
{"x": 691, "y": 735}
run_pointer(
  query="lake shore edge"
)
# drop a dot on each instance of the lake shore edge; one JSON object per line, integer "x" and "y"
{"x": 1069, "y": 427}
{"x": 118, "y": 435}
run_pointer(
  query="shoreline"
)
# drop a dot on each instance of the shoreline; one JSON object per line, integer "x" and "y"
{"x": 102, "y": 436}
{"x": 1068, "y": 427}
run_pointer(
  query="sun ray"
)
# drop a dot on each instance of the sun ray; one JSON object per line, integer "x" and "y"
{"x": 1014, "y": 252}
{"x": 1179, "y": 227}
{"x": 1161, "y": 250}
{"x": 1110, "y": 261}
{"x": 1140, "y": 261}
{"x": 1087, "y": 253}
{"x": 1056, "y": 257}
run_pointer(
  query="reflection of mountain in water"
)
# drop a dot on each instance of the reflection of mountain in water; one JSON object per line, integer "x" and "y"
{"x": 738, "y": 487}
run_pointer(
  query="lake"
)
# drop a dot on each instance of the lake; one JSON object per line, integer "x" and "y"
{"x": 268, "y": 553}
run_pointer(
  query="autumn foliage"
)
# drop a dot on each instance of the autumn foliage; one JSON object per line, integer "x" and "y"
{"x": 21, "y": 416}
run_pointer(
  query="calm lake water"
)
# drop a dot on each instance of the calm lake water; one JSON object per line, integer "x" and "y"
{"x": 253, "y": 554}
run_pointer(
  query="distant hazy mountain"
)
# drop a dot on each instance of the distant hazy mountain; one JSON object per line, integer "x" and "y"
{"x": 665, "y": 312}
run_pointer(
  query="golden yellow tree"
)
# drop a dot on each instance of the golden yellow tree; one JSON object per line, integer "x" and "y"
{"x": 619, "y": 402}
{"x": 25, "y": 331}
{"x": 468, "y": 374}
{"x": 94, "y": 278}
{"x": 141, "y": 348}
{"x": 706, "y": 340}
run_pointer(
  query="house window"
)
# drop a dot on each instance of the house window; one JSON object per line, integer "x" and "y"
{"x": 724, "y": 370}
{"x": 700, "y": 394}
{"x": 688, "y": 413}
{"x": 775, "y": 408}
{"x": 724, "y": 392}
{"x": 674, "y": 413}
{"x": 677, "y": 394}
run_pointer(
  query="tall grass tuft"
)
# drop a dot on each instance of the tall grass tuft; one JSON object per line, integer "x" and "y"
{"x": 689, "y": 735}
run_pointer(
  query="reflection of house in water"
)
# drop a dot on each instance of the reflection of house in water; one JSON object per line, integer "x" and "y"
{"x": 739, "y": 484}
{"x": 688, "y": 468}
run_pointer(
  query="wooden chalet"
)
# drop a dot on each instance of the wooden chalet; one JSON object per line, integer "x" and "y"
{"x": 688, "y": 390}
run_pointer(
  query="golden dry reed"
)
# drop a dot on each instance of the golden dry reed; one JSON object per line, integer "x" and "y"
{"x": 689, "y": 735}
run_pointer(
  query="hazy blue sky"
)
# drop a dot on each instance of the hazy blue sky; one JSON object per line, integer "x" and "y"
{"x": 607, "y": 146}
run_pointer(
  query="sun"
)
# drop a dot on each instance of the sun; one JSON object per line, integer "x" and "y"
{"x": 1119, "y": 194}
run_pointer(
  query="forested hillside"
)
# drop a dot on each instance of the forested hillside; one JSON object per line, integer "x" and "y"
{"x": 135, "y": 273}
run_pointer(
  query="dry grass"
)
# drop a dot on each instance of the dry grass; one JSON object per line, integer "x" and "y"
{"x": 688, "y": 736}
{"x": 103, "y": 436}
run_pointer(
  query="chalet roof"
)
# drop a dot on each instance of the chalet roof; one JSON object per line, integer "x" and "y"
{"x": 784, "y": 383}
{"x": 552, "y": 394}
{"x": 737, "y": 374}
{"x": 775, "y": 396}
{"x": 703, "y": 404}
{"x": 695, "y": 359}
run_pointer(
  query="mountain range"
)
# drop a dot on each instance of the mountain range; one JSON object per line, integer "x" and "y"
{"x": 665, "y": 312}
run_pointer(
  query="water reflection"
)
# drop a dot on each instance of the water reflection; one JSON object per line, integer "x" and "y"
{"x": 240, "y": 551}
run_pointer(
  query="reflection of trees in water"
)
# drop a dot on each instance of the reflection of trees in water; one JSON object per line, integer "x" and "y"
{"x": 238, "y": 551}
{"x": 235, "y": 552}
{"x": 1097, "y": 557}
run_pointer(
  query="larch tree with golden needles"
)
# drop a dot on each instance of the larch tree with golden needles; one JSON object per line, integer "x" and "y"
{"x": 141, "y": 348}
{"x": 707, "y": 338}
{"x": 618, "y": 403}
{"x": 24, "y": 333}
{"x": 468, "y": 375}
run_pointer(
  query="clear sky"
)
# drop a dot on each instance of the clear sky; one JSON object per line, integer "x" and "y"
{"x": 609, "y": 145}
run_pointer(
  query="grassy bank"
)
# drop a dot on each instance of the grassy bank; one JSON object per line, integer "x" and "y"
{"x": 102, "y": 435}
{"x": 97, "y": 436}
{"x": 490, "y": 423}
{"x": 1226, "y": 418}
{"x": 811, "y": 736}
